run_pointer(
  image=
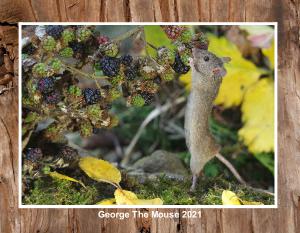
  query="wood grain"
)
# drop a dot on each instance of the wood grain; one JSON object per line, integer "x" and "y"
{"x": 285, "y": 219}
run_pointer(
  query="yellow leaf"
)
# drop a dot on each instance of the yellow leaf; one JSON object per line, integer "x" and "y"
{"x": 124, "y": 197}
{"x": 59, "y": 176}
{"x": 230, "y": 198}
{"x": 100, "y": 170}
{"x": 109, "y": 201}
{"x": 241, "y": 73}
{"x": 186, "y": 79}
{"x": 258, "y": 117}
{"x": 269, "y": 53}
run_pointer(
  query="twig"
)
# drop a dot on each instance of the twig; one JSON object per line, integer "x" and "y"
{"x": 231, "y": 168}
{"x": 155, "y": 113}
{"x": 127, "y": 34}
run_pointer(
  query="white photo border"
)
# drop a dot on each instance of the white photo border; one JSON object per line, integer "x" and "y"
{"x": 275, "y": 205}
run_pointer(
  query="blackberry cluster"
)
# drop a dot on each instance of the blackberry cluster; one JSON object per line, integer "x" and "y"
{"x": 46, "y": 85}
{"x": 110, "y": 66}
{"x": 148, "y": 97}
{"x": 68, "y": 154}
{"x": 33, "y": 154}
{"x": 91, "y": 95}
{"x": 131, "y": 72}
{"x": 29, "y": 49}
{"x": 54, "y": 30}
{"x": 52, "y": 97}
{"x": 178, "y": 66}
{"x": 126, "y": 60}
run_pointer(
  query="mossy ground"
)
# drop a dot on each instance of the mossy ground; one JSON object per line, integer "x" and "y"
{"x": 172, "y": 192}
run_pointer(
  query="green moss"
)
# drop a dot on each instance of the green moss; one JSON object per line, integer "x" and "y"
{"x": 208, "y": 192}
{"x": 59, "y": 192}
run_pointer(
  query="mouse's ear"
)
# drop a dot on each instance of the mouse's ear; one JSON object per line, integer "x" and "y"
{"x": 225, "y": 59}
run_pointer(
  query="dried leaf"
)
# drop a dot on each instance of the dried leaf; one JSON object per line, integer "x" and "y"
{"x": 100, "y": 170}
{"x": 230, "y": 198}
{"x": 269, "y": 53}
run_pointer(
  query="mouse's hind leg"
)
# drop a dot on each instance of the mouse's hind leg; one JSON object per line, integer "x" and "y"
{"x": 195, "y": 180}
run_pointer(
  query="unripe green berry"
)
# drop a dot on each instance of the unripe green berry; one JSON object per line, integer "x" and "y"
{"x": 39, "y": 69}
{"x": 84, "y": 34}
{"x": 74, "y": 90}
{"x": 117, "y": 80}
{"x": 49, "y": 44}
{"x": 86, "y": 129}
{"x": 68, "y": 36}
{"x": 137, "y": 100}
{"x": 114, "y": 94}
{"x": 165, "y": 56}
{"x": 94, "y": 112}
{"x": 56, "y": 64}
{"x": 185, "y": 58}
{"x": 168, "y": 75}
{"x": 66, "y": 52}
{"x": 111, "y": 49}
{"x": 186, "y": 36}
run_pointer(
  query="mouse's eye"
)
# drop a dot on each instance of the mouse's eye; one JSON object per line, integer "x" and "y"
{"x": 206, "y": 58}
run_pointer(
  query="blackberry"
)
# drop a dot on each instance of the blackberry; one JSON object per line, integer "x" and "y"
{"x": 68, "y": 36}
{"x": 165, "y": 56}
{"x": 137, "y": 100}
{"x": 83, "y": 34}
{"x": 46, "y": 85}
{"x": 39, "y": 69}
{"x": 178, "y": 66}
{"x": 66, "y": 52}
{"x": 91, "y": 95}
{"x": 110, "y": 49}
{"x": 78, "y": 48}
{"x": 29, "y": 49}
{"x": 148, "y": 97}
{"x": 56, "y": 64}
{"x": 52, "y": 98}
{"x": 200, "y": 41}
{"x": 173, "y": 31}
{"x": 49, "y": 44}
{"x": 157, "y": 80}
{"x": 68, "y": 154}
{"x": 33, "y": 154}
{"x": 186, "y": 36}
{"x": 130, "y": 73}
{"x": 110, "y": 66}
{"x": 54, "y": 30}
{"x": 126, "y": 60}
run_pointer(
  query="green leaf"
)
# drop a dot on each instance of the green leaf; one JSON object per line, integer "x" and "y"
{"x": 266, "y": 159}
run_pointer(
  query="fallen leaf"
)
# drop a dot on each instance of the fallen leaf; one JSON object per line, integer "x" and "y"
{"x": 109, "y": 201}
{"x": 258, "y": 117}
{"x": 59, "y": 176}
{"x": 100, "y": 170}
{"x": 124, "y": 197}
{"x": 230, "y": 198}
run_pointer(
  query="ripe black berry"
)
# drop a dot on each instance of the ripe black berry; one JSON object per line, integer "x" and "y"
{"x": 179, "y": 67}
{"x": 54, "y": 30}
{"x": 130, "y": 73}
{"x": 148, "y": 97}
{"x": 46, "y": 85}
{"x": 78, "y": 48}
{"x": 110, "y": 66}
{"x": 33, "y": 154}
{"x": 29, "y": 49}
{"x": 68, "y": 153}
{"x": 126, "y": 60}
{"x": 157, "y": 80}
{"x": 52, "y": 98}
{"x": 91, "y": 95}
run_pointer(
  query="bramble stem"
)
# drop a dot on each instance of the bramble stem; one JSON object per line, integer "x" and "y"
{"x": 128, "y": 34}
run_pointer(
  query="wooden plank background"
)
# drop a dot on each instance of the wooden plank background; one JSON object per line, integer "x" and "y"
{"x": 286, "y": 219}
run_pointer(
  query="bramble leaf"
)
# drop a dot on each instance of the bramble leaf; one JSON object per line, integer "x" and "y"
{"x": 57, "y": 175}
{"x": 230, "y": 198}
{"x": 109, "y": 201}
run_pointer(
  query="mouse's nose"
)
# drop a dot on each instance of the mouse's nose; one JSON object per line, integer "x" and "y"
{"x": 219, "y": 71}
